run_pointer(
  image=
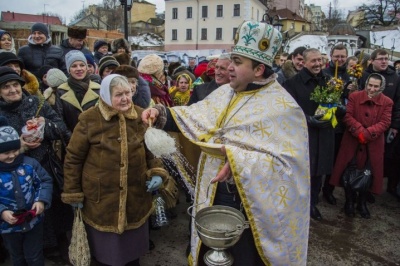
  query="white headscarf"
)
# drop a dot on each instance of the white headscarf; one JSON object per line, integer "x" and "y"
{"x": 105, "y": 90}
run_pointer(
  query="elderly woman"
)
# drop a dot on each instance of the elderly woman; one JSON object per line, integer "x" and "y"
{"x": 368, "y": 116}
{"x": 109, "y": 170}
{"x": 79, "y": 93}
{"x": 19, "y": 107}
{"x": 6, "y": 42}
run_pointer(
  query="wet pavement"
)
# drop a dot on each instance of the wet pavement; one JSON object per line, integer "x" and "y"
{"x": 336, "y": 240}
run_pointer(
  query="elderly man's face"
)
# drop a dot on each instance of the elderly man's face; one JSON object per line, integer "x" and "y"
{"x": 313, "y": 62}
{"x": 221, "y": 71}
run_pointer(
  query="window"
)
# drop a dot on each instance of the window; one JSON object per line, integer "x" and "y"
{"x": 204, "y": 34}
{"x": 236, "y": 10}
{"x": 204, "y": 11}
{"x": 188, "y": 34}
{"x": 220, "y": 11}
{"x": 234, "y": 33}
{"x": 189, "y": 12}
{"x": 218, "y": 34}
{"x": 175, "y": 13}
{"x": 174, "y": 35}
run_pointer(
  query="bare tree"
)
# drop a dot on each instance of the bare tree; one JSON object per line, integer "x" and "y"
{"x": 335, "y": 15}
{"x": 381, "y": 12}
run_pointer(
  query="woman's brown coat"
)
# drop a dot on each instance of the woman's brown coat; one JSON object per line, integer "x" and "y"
{"x": 372, "y": 118}
{"x": 106, "y": 167}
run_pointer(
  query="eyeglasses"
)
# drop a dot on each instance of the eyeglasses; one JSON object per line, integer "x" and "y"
{"x": 382, "y": 59}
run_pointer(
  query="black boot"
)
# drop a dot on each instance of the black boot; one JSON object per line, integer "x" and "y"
{"x": 362, "y": 205}
{"x": 327, "y": 192}
{"x": 314, "y": 213}
{"x": 349, "y": 204}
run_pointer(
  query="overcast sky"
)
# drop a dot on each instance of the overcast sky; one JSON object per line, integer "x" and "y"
{"x": 67, "y": 8}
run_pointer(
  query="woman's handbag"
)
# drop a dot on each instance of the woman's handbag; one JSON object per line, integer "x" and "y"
{"x": 358, "y": 179}
{"x": 79, "y": 251}
{"x": 55, "y": 165}
{"x": 55, "y": 162}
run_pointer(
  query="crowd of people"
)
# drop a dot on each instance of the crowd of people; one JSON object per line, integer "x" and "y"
{"x": 245, "y": 122}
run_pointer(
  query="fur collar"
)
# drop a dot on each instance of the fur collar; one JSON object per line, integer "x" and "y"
{"x": 108, "y": 112}
{"x": 31, "y": 82}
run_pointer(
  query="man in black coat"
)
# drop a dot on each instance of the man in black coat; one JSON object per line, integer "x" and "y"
{"x": 320, "y": 133}
{"x": 339, "y": 56}
{"x": 380, "y": 65}
{"x": 221, "y": 77}
{"x": 39, "y": 51}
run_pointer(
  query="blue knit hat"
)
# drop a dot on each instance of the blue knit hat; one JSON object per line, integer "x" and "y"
{"x": 9, "y": 138}
{"x": 99, "y": 43}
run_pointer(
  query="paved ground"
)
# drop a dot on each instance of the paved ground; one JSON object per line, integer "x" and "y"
{"x": 337, "y": 240}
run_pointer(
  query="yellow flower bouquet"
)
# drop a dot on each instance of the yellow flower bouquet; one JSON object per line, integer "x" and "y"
{"x": 328, "y": 98}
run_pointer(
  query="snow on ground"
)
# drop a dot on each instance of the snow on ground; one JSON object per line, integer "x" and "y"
{"x": 319, "y": 42}
{"x": 389, "y": 39}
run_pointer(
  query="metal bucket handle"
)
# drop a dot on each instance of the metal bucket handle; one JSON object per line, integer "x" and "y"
{"x": 239, "y": 229}
{"x": 195, "y": 205}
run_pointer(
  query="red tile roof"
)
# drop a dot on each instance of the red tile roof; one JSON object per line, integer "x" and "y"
{"x": 18, "y": 17}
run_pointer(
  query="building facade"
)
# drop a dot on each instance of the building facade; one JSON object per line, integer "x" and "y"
{"x": 296, "y": 6}
{"x": 207, "y": 24}
{"x": 318, "y": 18}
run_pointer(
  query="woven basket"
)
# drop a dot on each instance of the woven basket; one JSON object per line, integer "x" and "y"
{"x": 79, "y": 252}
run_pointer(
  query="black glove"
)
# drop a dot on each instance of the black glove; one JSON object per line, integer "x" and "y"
{"x": 340, "y": 111}
{"x": 313, "y": 121}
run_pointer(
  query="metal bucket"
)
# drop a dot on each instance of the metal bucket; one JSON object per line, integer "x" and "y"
{"x": 220, "y": 227}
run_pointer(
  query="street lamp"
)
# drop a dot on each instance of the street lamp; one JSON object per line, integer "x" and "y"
{"x": 272, "y": 20}
{"x": 127, "y": 4}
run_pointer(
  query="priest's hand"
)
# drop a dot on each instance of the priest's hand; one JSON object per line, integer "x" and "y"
{"x": 149, "y": 115}
{"x": 225, "y": 173}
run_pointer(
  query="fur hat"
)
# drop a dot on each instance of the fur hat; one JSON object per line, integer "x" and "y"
{"x": 107, "y": 61}
{"x": 122, "y": 58}
{"x": 73, "y": 56}
{"x": 7, "y": 74}
{"x": 120, "y": 43}
{"x": 8, "y": 57}
{"x": 9, "y": 138}
{"x": 76, "y": 32}
{"x": 41, "y": 28}
{"x": 99, "y": 43}
{"x": 55, "y": 77}
{"x": 151, "y": 64}
{"x": 127, "y": 71}
{"x": 257, "y": 41}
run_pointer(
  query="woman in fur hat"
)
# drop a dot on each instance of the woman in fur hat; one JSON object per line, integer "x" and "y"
{"x": 151, "y": 69}
{"x": 120, "y": 45}
{"x": 6, "y": 42}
